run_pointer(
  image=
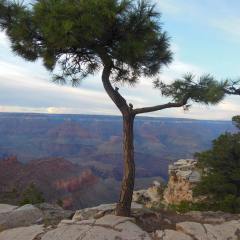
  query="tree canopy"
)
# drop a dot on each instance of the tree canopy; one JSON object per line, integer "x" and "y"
{"x": 77, "y": 35}
{"x": 232, "y": 87}
{"x": 221, "y": 172}
{"x": 236, "y": 121}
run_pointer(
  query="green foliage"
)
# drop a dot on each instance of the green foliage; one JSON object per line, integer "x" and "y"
{"x": 205, "y": 90}
{"x": 79, "y": 36}
{"x": 221, "y": 179}
{"x": 228, "y": 203}
{"x": 236, "y": 120}
{"x": 185, "y": 206}
{"x": 31, "y": 195}
{"x": 232, "y": 87}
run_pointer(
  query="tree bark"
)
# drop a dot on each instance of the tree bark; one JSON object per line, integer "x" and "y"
{"x": 125, "y": 200}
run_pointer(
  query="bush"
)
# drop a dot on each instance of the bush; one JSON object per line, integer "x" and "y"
{"x": 220, "y": 182}
{"x": 185, "y": 206}
{"x": 31, "y": 195}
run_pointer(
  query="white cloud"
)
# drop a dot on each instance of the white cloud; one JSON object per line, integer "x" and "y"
{"x": 178, "y": 68}
{"x": 3, "y": 40}
{"x": 167, "y": 6}
{"x": 229, "y": 26}
{"x": 23, "y": 91}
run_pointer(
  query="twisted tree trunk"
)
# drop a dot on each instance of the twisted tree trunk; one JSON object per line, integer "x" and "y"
{"x": 124, "y": 204}
{"x": 125, "y": 200}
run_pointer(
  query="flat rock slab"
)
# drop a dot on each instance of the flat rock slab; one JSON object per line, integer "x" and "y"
{"x": 109, "y": 227}
{"x": 171, "y": 235}
{"x": 20, "y": 217}
{"x": 4, "y": 208}
{"x": 226, "y": 231}
{"x": 194, "y": 229}
{"x": 100, "y": 211}
{"x": 22, "y": 233}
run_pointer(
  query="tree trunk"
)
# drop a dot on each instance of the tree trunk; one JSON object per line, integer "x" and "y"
{"x": 124, "y": 204}
{"x": 125, "y": 200}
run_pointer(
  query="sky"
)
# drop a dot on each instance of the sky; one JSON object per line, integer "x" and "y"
{"x": 205, "y": 38}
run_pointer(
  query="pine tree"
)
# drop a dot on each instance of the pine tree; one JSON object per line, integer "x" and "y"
{"x": 232, "y": 87}
{"x": 31, "y": 195}
{"x": 221, "y": 165}
{"x": 122, "y": 38}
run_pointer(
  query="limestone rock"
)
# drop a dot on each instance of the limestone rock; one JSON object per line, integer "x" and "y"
{"x": 194, "y": 229}
{"x": 183, "y": 175}
{"x": 150, "y": 196}
{"x": 53, "y": 214}
{"x": 109, "y": 227}
{"x": 5, "y": 208}
{"x": 100, "y": 211}
{"x": 171, "y": 235}
{"x": 113, "y": 220}
{"x": 22, "y": 233}
{"x": 141, "y": 196}
{"x": 90, "y": 213}
{"x": 227, "y": 230}
{"x": 211, "y": 217}
{"x": 22, "y": 216}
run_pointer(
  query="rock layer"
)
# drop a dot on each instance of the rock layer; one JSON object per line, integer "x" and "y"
{"x": 183, "y": 175}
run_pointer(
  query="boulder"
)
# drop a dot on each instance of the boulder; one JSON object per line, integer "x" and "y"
{"x": 171, "y": 235}
{"x": 5, "y": 208}
{"x": 223, "y": 231}
{"x": 194, "y": 229}
{"x": 53, "y": 213}
{"x": 150, "y": 196}
{"x": 183, "y": 176}
{"x": 22, "y": 216}
{"x": 22, "y": 233}
{"x": 227, "y": 230}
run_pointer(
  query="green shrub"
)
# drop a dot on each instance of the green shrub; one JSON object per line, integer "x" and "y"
{"x": 220, "y": 182}
{"x": 31, "y": 195}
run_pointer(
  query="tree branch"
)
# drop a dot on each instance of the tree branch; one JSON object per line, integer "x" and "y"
{"x": 232, "y": 91}
{"x": 161, "y": 107}
{"x": 116, "y": 97}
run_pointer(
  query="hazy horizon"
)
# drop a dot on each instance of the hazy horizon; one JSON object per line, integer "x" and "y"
{"x": 116, "y": 115}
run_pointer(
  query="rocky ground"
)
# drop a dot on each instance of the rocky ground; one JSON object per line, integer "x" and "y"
{"x": 50, "y": 222}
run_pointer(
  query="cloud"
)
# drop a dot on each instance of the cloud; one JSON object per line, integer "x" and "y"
{"x": 229, "y": 26}
{"x": 25, "y": 90}
{"x": 3, "y": 40}
{"x": 178, "y": 68}
{"x": 167, "y": 6}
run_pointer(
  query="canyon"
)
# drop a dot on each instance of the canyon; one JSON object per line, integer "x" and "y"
{"x": 74, "y": 158}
